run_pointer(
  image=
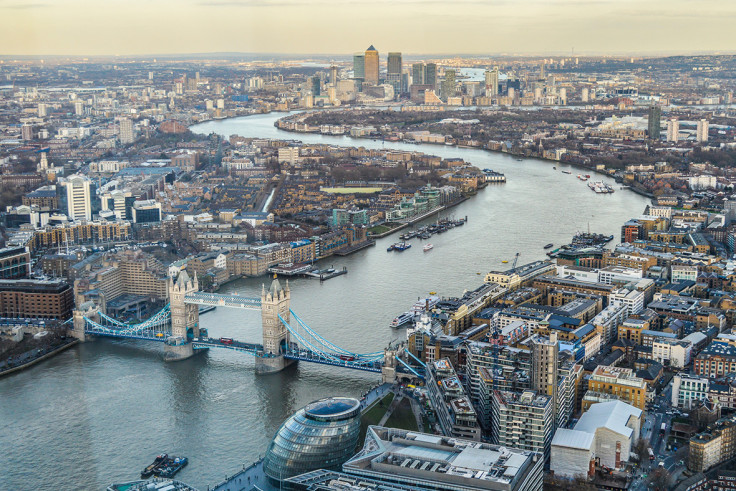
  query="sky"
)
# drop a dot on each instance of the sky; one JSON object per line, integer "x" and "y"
{"x": 139, "y": 27}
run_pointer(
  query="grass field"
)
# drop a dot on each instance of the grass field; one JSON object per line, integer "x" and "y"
{"x": 374, "y": 415}
{"x": 403, "y": 417}
{"x": 351, "y": 190}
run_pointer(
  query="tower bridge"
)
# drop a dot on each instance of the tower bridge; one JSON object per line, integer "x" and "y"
{"x": 286, "y": 338}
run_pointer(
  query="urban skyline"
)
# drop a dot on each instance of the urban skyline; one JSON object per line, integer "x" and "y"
{"x": 74, "y": 28}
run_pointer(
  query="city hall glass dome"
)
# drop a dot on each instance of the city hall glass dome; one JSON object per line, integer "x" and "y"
{"x": 322, "y": 435}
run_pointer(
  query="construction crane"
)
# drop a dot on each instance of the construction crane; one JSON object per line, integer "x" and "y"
{"x": 515, "y": 260}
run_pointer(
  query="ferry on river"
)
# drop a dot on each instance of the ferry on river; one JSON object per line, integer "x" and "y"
{"x": 402, "y": 319}
{"x": 428, "y": 247}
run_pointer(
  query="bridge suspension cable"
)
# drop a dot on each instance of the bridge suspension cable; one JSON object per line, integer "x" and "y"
{"x": 327, "y": 344}
{"x": 334, "y": 357}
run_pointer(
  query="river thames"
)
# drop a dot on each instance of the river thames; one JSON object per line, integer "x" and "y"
{"x": 99, "y": 412}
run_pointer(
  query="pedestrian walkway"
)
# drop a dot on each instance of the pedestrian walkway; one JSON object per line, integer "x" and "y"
{"x": 391, "y": 409}
{"x": 373, "y": 395}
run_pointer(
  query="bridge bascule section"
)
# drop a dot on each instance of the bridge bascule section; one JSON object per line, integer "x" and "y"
{"x": 286, "y": 337}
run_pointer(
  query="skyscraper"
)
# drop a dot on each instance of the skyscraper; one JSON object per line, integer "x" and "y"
{"x": 655, "y": 122}
{"x": 702, "y": 132}
{"x": 359, "y": 66}
{"x": 393, "y": 76}
{"x": 417, "y": 73}
{"x": 333, "y": 75}
{"x": 448, "y": 85}
{"x": 430, "y": 74}
{"x": 673, "y": 130}
{"x": 314, "y": 86}
{"x": 492, "y": 82}
{"x": 371, "y": 65}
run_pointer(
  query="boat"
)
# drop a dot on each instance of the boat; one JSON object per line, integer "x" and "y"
{"x": 566, "y": 172}
{"x": 519, "y": 160}
{"x": 171, "y": 466}
{"x": 504, "y": 261}
{"x": 401, "y": 246}
{"x": 151, "y": 468}
{"x": 548, "y": 246}
{"x": 390, "y": 248}
{"x": 402, "y": 319}
{"x": 554, "y": 168}
{"x": 428, "y": 247}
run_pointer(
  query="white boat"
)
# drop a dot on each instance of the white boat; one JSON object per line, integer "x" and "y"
{"x": 428, "y": 247}
{"x": 402, "y": 319}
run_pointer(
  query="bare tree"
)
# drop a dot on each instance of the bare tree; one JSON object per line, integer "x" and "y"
{"x": 660, "y": 479}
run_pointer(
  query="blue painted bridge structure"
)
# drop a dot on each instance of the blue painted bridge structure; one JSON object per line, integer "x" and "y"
{"x": 286, "y": 337}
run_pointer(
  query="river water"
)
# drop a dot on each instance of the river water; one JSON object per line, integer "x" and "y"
{"x": 101, "y": 411}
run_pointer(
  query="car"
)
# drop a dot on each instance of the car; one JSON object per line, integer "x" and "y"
{"x": 661, "y": 464}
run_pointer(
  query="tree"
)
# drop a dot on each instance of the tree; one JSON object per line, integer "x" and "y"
{"x": 641, "y": 447}
{"x": 660, "y": 479}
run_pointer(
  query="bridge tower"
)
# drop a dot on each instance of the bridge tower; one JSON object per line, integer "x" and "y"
{"x": 184, "y": 318}
{"x": 274, "y": 302}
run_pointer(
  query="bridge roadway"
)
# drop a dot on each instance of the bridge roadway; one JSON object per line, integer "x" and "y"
{"x": 219, "y": 300}
{"x": 252, "y": 348}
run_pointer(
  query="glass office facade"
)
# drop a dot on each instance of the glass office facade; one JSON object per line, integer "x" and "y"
{"x": 322, "y": 435}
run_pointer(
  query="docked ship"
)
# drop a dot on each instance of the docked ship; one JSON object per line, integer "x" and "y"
{"x": 600, "y": 187}
{"x": 401, "y": 246}
{"x": 402, "y": 319}
{"x": 164, "y": 466}
{"x": 587, "y": 239}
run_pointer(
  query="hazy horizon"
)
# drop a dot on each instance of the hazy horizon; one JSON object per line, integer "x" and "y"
{"x": 142, "y": 28}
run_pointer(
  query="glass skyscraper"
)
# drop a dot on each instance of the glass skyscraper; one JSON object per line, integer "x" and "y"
{"x": 359, "y": 66}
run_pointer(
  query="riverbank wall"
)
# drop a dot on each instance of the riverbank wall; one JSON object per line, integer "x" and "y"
{"x": 39, "y": 359}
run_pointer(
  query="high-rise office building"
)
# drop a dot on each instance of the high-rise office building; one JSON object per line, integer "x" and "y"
{"x": 448, "y": 85}
{"x": 417, "y": 73}
{"x": 333, "y": 75}
{"x": 127, "y": 134}
{"x": 314, "y": 86}
{"x": 492, "y": 82}
{"x": 430, "y": 74}
{"x": 359, "y": 66}
{"x": 673, "y": 130}
{"x": 702, "y": 131}
{"x": 78, "y": 197}
{"x": 393, "y": 73}
{"x": 371, "y": 65}
{"x": 655, "y": 122}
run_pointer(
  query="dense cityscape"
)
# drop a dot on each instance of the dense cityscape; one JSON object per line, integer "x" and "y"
{"x": 604, "y": 359}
